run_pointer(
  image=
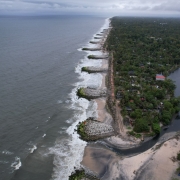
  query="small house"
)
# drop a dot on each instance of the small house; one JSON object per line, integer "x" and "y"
{"x": 160, "y": 77}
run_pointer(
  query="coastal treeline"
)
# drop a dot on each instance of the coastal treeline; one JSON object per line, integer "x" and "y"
{"x": 145, "y": 51}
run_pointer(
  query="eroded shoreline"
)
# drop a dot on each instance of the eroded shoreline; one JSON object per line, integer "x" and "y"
{"x": 106, "y": 164}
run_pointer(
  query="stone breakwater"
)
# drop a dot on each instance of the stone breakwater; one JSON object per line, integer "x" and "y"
{"x": 98, "y": 56}
{"x": 95, "y": 93}
{"x": 98, "y": 37}
{"x": 100, "y": 34}
{"x": 94, "y": 42}
{"x": 91, "y": 49}
{"x": 92, "y": 130}
{"x": 95, "y": 128}
{"x": 94, "y": 69}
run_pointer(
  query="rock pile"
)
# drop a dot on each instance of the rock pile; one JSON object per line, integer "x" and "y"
{"x": 95, "y": 69}
{"x": 95, "y": 93}
{"x": 91, "y": 49}
{"x": 94, "y": 128}
{"x": 98, "y": 56}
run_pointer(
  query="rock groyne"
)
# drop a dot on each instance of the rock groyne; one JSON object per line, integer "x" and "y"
{"x": 90, "y": 93}
{"x": 98, "y": 56}
{"x": 91, "y": 130}
{"x": 91, "y": 49}
{"x": 94, "y": 69}
{"x": 94, "y": 42}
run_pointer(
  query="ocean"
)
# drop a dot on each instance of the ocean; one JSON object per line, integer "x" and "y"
{"x": 40, "y": 72}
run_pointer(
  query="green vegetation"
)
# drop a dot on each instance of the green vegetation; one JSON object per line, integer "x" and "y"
{"x": 142, "y": 48}
{"x": 132, "y": 133}
{"x": 85, "y": 69}
{"x": 156, "y": 128}
{"x": 178, "y": 169}
{"x": 178, "y": 156}
{"x": 81, "y": 93}
{"x": 78, "y": 175}
{"x": 84, "y": 49}
{"x": 81, "y": 130}
{"x": 91, "y": 57}
{"x": 141, "y": 125}
{"x": 151, "y": 134}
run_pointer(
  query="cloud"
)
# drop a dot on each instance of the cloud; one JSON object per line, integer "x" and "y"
{"x": 103, "y": 7}
{"x": 173, "y": 6}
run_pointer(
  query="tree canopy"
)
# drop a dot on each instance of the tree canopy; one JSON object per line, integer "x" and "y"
{"x": 142, "y": 48}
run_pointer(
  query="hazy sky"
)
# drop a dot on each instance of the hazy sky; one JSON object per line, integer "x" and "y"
{"x": 90, "y": 7}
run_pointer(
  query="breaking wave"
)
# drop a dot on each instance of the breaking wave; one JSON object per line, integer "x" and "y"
{"x": 16, "y": 164}
{"x": 68, "y": 150}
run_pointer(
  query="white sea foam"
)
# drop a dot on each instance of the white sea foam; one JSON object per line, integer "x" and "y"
{"x": 61, "y": 132}
{"x": 80, "y": 49}
{"x": 69, "y": 121}
{"x": 68, "y": 151}
{"x": 59, "y": 102}
{"x": 105, "y": 26}
{"x": 16, "y": 164}
{"x": 4, "y": 162}
{"x": 33, "y": 149}
{"x": 64, "y": 128}
{"x": 6, "y": 152}
{"x": 67, "y": 101}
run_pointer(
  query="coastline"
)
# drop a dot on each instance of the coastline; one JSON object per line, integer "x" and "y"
{"x": 103, "y": 115}
{"x": 106, "y": 164}
{"x": 88, "y": 162}
{"x": 98, "y": 164}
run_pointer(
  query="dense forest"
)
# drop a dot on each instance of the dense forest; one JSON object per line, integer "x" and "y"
{"x": 142, "y": 50}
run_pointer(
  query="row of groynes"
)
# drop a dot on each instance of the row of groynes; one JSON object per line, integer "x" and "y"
{"x": 91, "y": 129}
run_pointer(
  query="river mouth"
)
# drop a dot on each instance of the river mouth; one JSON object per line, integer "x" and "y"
{"x": 166, "y": 133}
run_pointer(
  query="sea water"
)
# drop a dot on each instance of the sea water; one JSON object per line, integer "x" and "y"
{"x": 40, "y": 72}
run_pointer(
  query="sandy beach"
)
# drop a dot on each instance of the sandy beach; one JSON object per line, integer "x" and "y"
{"x": 154, "y": 164}
{"x": 95, "y": 158}
{"x": 103, "y": 115}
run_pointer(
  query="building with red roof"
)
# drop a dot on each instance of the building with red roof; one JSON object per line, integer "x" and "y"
{"x": 160, "y": 77}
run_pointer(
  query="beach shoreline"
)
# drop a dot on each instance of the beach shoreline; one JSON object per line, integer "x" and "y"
{"x": 106, "y": 164}
{"x": 105, "y": 116}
